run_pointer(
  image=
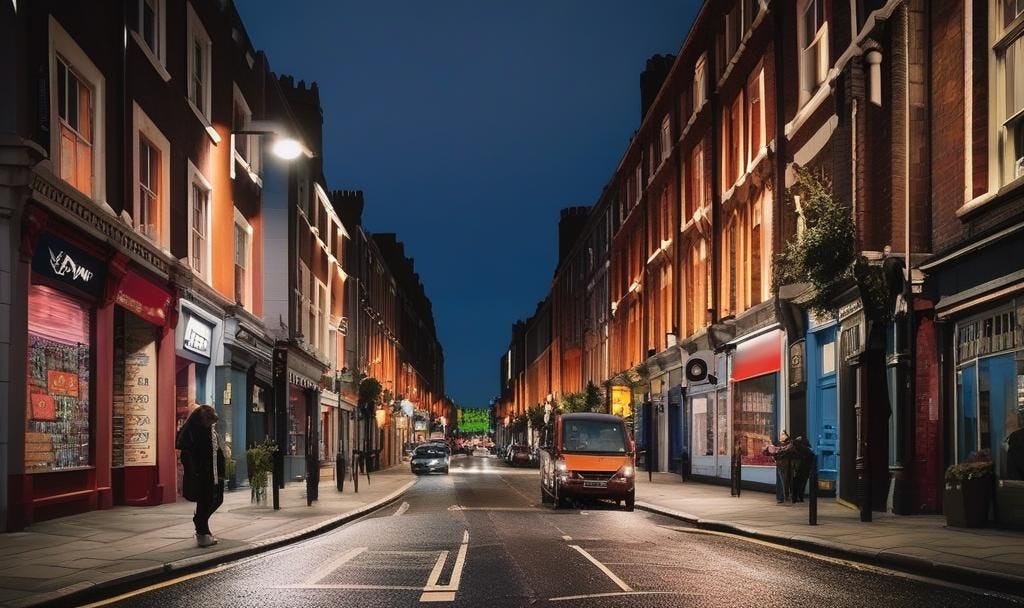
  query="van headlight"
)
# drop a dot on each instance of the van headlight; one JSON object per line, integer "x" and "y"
{"x": 560, "y": 466}
{"x": 626, "y": 471}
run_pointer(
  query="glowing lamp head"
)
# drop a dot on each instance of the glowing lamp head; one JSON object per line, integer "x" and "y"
{"x": 287, "y": 148}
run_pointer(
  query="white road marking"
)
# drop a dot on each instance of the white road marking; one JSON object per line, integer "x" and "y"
{"x": 352, "y": 587}
{"x": 401, "y": 509}
{"x": 618, "y": 581}
{"x": 617, "y": 594}
{"x": 446, "y": 593}
{"x": 461, "y": 508}
{"x": 566, "y": 537}
{"x": 323, "y": 571}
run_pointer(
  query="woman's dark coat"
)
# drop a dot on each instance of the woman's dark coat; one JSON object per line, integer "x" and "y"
{"x": 196, "y": 445}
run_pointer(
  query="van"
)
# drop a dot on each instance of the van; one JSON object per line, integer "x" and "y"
{"x": 587, "y": 455}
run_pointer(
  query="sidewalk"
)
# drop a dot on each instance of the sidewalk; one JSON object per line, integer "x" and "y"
{"x": 921, "y": 544}
{"x": 54, "y": 559}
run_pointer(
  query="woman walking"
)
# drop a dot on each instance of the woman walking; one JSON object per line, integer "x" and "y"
{"x": 203, "y": 462}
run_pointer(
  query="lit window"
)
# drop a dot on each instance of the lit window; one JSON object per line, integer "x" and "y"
{"x": 75, "y": 111}
{"x": 199, "y": 223}
{"x": 243, "y": 261}
{"x": 149, "y": 188}
{"x": 699, "y": 83}
{"x": 666, "y": 137}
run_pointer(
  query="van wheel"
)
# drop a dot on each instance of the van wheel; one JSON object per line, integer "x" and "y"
{"x": 630, "y": 500}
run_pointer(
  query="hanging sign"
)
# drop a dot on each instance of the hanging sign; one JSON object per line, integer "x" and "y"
{"x": 60, "y": 260}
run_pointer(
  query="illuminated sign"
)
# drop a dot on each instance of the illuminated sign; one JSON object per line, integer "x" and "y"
{"x": 620, "y": 401}
{"x": 197, "y": 337}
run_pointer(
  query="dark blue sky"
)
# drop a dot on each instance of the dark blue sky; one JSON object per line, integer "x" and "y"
{"x": 468, "y": 124}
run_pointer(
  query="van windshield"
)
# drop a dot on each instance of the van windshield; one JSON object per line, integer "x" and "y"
{"x": 594, "y": 437}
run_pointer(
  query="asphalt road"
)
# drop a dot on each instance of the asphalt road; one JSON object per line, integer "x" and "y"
{"x": 479, "y": 537}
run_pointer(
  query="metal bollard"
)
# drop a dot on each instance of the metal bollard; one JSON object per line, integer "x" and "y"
{"x": 276, "y": 478}
{"x": 339, "y": 471}
{"x": 812, "y": 511}
{"x": 355, "y": 471}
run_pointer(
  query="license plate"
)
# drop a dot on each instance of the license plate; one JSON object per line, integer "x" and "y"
{"x": 595, "y": 484}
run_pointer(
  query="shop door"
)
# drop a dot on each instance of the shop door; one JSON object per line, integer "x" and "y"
{"x": 823, "y": 420}
{"x": 675, "y": 436}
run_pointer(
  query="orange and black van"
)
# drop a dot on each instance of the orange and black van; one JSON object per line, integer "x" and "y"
{"x": 587, "y": 455}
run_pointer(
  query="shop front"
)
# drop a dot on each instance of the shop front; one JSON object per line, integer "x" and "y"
{"x": 708, "y": 408}
{"x": 242, "y": 386}
{"x": 822, "y": 358}
{"x": 757, "y": 418}
{"x": 195, "y": 336}
{"x": 296, "y": 408}
{"x": 96, "y": 354}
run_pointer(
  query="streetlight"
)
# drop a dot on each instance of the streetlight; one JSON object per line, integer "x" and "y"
{"x": 285, "y": 146}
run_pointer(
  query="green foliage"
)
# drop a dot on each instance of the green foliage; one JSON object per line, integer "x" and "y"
{"x": 370, "y": 390}
{"x": 573, "y": 402}
{"x": 260, "y": 461}
{"x": 536, "y": 416}
{"x": 474, "y": 420}
{"x": 968, "y": 470}
{"x": 592, "y": 398}
{"x": 824, "y": 254}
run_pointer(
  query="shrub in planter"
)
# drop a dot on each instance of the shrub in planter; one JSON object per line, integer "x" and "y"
{"x": 260, "y": 461}
{"x": 968, "y": 493}
{"x": 230, "y": 469}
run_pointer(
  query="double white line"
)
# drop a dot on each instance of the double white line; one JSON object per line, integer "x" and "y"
{"x": 434, "y": 592}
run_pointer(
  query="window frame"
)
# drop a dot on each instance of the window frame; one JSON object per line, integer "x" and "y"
{"x": 756, "y": 82}
{"x": 1004, "y": 156}
{"x": 666, "y": 137}
{"x": 819, "y": 41}
{"x": 158, "y": 55}
{"x": 196, "y": 178}
{"x": 144, "y": 129}
{"x": 241, "y": 223}
{"x": 196, "y": 32}
{"x": 251, "y": 160}
{"x": 62, "y": 45}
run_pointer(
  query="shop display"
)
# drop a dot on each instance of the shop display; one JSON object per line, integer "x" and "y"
{"x": 57, "y": 433}
{"x": 754, "y": 418}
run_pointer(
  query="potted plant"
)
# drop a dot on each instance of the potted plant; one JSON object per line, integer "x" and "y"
{"x": 260, "y": 461}
{"x": 968, "y": 492}
{"x": 230, "y": 468}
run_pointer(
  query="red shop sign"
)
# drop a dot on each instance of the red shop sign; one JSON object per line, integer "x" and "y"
{"x": 143, "y": 298}
{"x": 758, "y": 356}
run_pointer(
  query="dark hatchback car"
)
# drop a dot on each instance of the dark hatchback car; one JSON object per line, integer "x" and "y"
{"x": 430, "y": 458}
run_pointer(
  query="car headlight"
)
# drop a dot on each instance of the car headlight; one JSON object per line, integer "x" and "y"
{"x": 561, "y": 467}
{"x": 626, "y": 471}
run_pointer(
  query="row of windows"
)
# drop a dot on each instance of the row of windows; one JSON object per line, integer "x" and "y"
{"x": 78, "y": 156}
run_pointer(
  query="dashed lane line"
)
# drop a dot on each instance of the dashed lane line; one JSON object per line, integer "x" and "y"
{"x": 401, "y": 509}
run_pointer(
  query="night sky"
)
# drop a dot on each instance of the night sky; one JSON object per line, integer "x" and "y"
{"x": 468, "y": 125}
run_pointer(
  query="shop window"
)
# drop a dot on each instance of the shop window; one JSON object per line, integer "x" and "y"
{"x": 703, "y": 427}
{"x": 297, "y": 403}
{"x": 134, "y": 410}
{"x": 754, "y": 418}
{"x": 57, "y": 428}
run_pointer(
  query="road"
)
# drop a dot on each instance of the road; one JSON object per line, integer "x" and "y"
{"x": 479, "y": 537}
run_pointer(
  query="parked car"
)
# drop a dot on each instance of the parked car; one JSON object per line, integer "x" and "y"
{"x": 430, "y": 458}
{"x": 523, "y": 456}
{"x": 588, "y": 455}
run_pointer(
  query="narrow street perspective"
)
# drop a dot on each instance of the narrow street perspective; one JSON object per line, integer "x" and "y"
{"x": 478, "y": 303}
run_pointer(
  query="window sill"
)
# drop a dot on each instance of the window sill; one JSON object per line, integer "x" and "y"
{"x": 809, "y": 107}
{"x": 979, "y": 202}
{"x": 214, "y": 136}
{"x": 157, "y": 64}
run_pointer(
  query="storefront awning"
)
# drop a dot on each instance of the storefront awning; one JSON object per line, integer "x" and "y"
{"x": 148, "y": 301}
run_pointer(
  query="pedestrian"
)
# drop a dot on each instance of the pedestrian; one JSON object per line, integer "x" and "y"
{"x": 782, "y": 452}
{"x": 203, "y": 463}
{"x": 803, "y": 459}
{"x": 736, "y": 472}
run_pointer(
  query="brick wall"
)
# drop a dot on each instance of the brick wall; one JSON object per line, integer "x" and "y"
{"x": 947, "y": 114}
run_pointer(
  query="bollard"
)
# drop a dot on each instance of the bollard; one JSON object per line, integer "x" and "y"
{"x": 355, "y": 471}
{"x": 276, "y": 478}
{"x": 812, "y": 510}
{"x": 339, "y": 471}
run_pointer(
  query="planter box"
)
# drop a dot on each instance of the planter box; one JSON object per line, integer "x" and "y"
{"x": 1010, "y": 504}
{"x": 966, "y": 503}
